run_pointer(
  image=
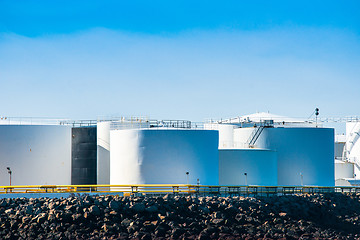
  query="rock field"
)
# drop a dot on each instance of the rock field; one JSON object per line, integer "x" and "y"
{"x": 325, "y": 216}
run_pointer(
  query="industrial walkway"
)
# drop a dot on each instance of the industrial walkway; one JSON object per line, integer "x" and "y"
{"x": 199, "y": 190}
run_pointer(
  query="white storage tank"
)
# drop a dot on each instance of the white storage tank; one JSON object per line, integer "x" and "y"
{"x": 226, "y": 134}
{"x": 344, "y": 169}
{"x": 103, "y": 152}
{"x": 247, "y": 167}
{"x": 36, "y": 154}
{"x": 340, "y": 149}
{"x": 352, "y": 145}
{"x": 342, "y": 183}
{"x": 305, "y": 155}
{"x": 163, "y": 156}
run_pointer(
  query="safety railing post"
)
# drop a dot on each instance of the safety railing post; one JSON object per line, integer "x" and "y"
{"x": 196, "y": 190}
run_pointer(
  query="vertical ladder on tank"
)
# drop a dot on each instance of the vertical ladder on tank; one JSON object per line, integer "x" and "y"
{"x": 254, "y": 136}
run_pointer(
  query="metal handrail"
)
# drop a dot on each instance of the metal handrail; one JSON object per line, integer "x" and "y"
{"x": 250, "y": 190}
{"x": 178, "y": 124}
{"x": 31, "y": 121}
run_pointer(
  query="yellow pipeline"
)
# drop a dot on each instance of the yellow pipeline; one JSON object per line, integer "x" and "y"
{"x": 174, "y": 188}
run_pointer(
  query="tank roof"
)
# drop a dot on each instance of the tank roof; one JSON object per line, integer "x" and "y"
{"x": 263, "y": 116}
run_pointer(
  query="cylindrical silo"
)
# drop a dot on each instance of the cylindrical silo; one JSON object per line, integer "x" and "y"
{"x": 160, "y": 156}
{"x": 36, "y": 154}
{"x": 83, "y": 156}
{"x": 226, "y": 134}
{"x": 352, "y": 145}
{"x": 247, "y": 167}
{"x": 305, "y": 155}
{"x": 344, "y": 169}
{"x": 103, "y": 152}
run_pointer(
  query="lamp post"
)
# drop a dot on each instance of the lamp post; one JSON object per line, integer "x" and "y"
{"x": 198, "y": 186}
{"x": 187, "y": 178}
{"x": 9, "y": 172}
{"x": 246, "y": 182}
{"x": 316, "y": 114}
{"x": 355, "y": 179}
{"x": 301, "y": 179}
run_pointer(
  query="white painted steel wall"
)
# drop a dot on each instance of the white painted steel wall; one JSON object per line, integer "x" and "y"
{"x": 241, "y": 135}
{"x": 103, "y": 152}
{"x": 164, "y": 156}
{"x": 259, "y": 164}
{"x": 352, "y": 145}
{"x": 232, "y": 136}
{"x": 226, "y": 134}
{"x": 37, "y": 155}
{"x": 342, "y": 183}
{"x": 302, "y": 151}
{"x": 343, "y": 169}
{"x": 339, "y": 150}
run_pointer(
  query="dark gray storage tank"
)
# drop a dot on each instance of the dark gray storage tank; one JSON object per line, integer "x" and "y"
{"x": 83, "y": 156}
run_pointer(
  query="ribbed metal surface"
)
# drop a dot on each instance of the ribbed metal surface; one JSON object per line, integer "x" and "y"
{"x": 83, "y": 156}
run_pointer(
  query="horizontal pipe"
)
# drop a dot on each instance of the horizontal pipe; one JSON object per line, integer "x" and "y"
{"x": 174, "y": 188}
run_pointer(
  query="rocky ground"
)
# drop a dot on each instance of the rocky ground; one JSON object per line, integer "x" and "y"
{"x": 323, "y": 216}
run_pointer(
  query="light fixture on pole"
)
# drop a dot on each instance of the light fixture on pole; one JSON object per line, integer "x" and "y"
{"x": 355, "y": 179}
{"x": 9, "y": 172}
{"x": 187, "y": 178}
{"x": 246, "y": 182}
{"x": 316, "y": 114}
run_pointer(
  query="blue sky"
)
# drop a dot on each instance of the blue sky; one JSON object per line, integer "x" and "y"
{"x": 179, "y": 59}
